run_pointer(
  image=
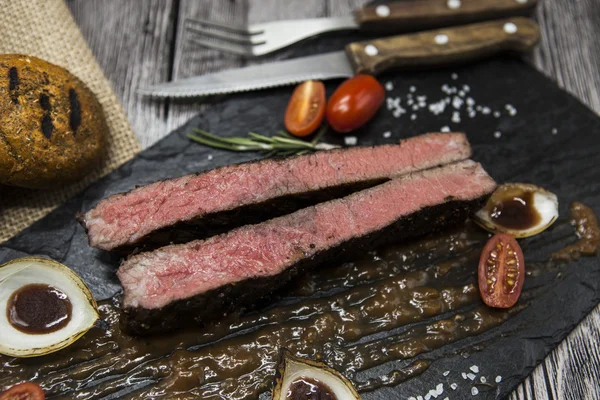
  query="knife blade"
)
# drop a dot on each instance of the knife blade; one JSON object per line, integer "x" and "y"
{"x": 427, "y": 49}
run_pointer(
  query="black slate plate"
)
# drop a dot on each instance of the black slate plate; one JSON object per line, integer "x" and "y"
{"x": 552, "y": 141}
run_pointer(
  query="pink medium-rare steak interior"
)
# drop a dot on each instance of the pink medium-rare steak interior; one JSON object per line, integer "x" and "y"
{"x": 124, "y": 218}
{"x": 154, "y": 279}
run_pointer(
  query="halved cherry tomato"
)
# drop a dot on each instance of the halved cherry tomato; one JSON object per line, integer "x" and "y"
{"x": 501, "y": 271}
{"x": 306, "y": 108}
{"x": 354, "y": 103}
{"x": 23, "y": 391}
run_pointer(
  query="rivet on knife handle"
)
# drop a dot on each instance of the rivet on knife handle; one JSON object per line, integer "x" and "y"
{"x": 404, "y": 16}
{"x": 443, "y": 46}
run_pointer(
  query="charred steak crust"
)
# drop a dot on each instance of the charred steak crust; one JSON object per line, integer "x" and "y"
{"x": 216, "y": 303}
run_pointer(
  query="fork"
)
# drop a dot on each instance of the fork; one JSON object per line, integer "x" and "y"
{"x": 259, "y": 39}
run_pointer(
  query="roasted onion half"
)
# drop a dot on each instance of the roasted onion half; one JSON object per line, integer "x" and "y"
{"x": 299, "y": 378}
{"x": 518, "y": 209}
{"x": 44, "y": 307}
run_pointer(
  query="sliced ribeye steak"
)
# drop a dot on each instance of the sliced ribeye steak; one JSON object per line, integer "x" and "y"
{"x": 191, "y": 283}
{"x": 202, "y": 205}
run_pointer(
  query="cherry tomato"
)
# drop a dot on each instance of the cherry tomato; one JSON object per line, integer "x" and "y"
{"x": 354, "y": 103}
{"x": 23, "y": 391}
{"x": 501, "y": 271}
{"x": 306, "y": 108}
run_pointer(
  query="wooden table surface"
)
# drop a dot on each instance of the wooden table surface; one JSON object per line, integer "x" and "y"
{"x": 138, "y": 42}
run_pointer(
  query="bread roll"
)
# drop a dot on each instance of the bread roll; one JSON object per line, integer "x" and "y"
{"x": 52, "y": 128}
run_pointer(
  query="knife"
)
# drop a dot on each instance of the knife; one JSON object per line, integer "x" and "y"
{"x": 256, "y": 40}
{"x": 440, "y": 47}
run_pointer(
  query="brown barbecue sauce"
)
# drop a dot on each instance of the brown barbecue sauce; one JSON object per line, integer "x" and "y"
{"x": 515, "y": 209}
{"x": 38, "y": 309}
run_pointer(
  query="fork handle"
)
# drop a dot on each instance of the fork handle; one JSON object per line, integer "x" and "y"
{"x": 414, "y": 15}
{"x": 444, "y": 46}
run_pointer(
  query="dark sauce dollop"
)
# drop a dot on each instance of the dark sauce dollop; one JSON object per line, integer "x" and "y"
{"x": 514, "y": 209}
{"x": 38, "y": 308}
{"x": 310, "y": 389}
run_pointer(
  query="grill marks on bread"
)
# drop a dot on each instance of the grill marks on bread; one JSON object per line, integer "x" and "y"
{"x": 75, "y": 114}
{"x": 13, "y": 84}
{"x": 47, "y": 125}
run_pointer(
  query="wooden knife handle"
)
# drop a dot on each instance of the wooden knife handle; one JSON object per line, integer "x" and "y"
{"x": 444, "y": 46}
{"x": 414, "y": 15}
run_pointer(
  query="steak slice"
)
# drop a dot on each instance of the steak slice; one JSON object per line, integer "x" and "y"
{"x": 190, "y": 283}
{"x": 202, "y": 205}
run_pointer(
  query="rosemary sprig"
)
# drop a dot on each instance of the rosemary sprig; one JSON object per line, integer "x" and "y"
{"x": 282, "y": 143}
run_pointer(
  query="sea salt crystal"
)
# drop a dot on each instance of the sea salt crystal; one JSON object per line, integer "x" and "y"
{"x": 438, "y": 107}
{"x": 466, "y": 88}
{"x": 497, "y": 134}
{"x": 472, "y": 114}
{"x": 398, "y": 112}
{"x": 445, "y": 129}
{"x": 454, "y": 76}
{"x": 409, "y": 102}
{"x": 478, "y": 108}
{"x": 483, "y": 379}
{"x": 210, "y": 157}
{"x": 419, "y": 397}
{"x": 389, "y": 86}
{"x": 413, "y": 89}
{"x": 412, "y": 398}
{"x": 486, "y": 110}
{"x": 470, "y": 101}
{"x": 439, "y": 388}
{"x": 457, "y": 102}
{"x": 512, "y": 111}
{"x": 474, "y": 391}
{"x": 350, "y": 140}
{"x": 456, "y": 117}
{"x": 464, "y": 375}
{"x": 415, "y": 107}
{"x": 446, "y": 373}
{"x": 428, "y": 396}
{"x": 453, "y": 386}
{"x": 387, "y": 134}
{"x": 474, "y": 368}
{"x": 393, "y": 102}
{"x": 498, "y": 379}
{"x": 497, "y": 114}
{"x": 446, "y": 88}
{"x": 471, "y": 376}
{"x": 554, "y": 131}
{"x": 413, "y": 117}
{"x": 461, "y": 93}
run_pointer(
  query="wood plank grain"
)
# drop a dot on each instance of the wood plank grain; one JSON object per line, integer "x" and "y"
{"x": 131, "y": 40}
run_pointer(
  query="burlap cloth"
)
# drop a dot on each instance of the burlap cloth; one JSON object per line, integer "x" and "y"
{"x": 46, "y": 29}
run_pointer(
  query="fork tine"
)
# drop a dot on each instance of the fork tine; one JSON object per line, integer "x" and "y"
{"x": 228, "y": 37}
{"x": 240, "y": 29}
{"x": 222, "y": 46}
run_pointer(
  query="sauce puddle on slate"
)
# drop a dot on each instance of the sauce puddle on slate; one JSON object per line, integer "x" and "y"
{"x": 396, "y": 303}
